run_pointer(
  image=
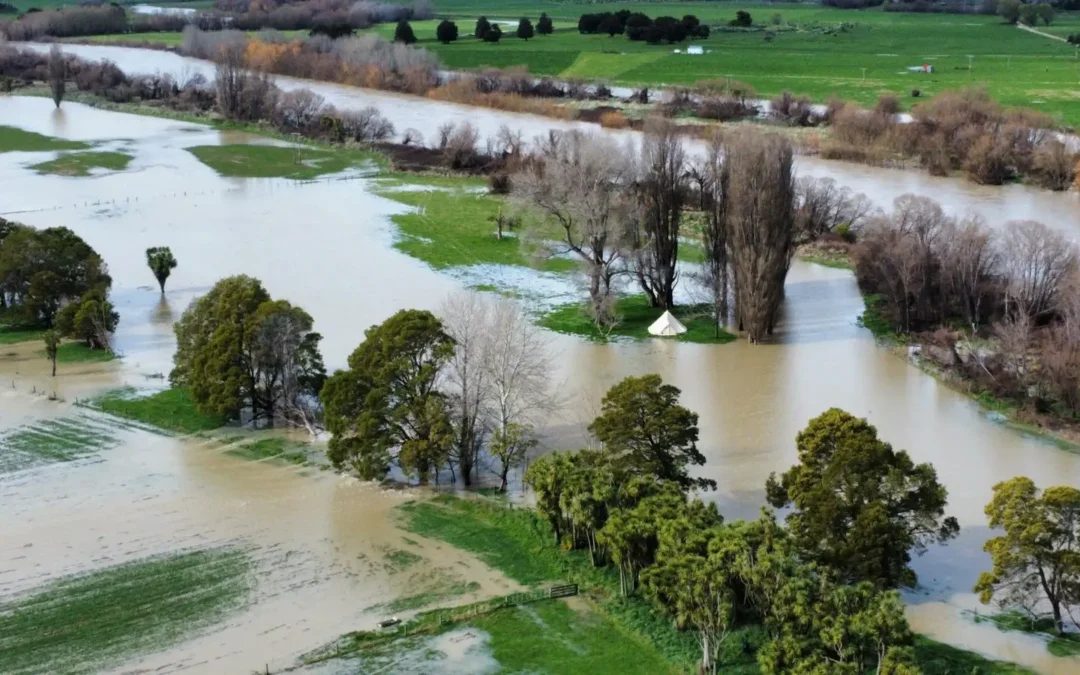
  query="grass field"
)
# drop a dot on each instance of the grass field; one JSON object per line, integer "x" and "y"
{"x": 521, "y": 545}
{"x": 13, "y": 139}
{"x": 10, "y": 335}
{"x": 273, "y": 161}
{"x": 276, "y": 450}
{"x": 1067, "y": 645}
{"x": 93, "y": 622}
{"x": 54, "y": 440}
{"x": 83, "y": 163}
{"x": 172, "y": 410}
{"x": 77, "y": 352}
{"x": 637, "y": 315}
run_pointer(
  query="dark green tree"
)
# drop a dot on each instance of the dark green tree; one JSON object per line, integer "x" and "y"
{"x": 525, "y": 29}
{"x": 404, "y": 33}
{"x": 1036, "y": 562}
{"x": 859, "y": 507}
{"x": 742, "y": 19}
{"x": 52, "y": 348}
{"x": 1009, "y": 10}
{"x": 482, "y": 28}
{"x": 386, "y": 408}
{"x": 493, "y": 34}
{"x": 91, "y": 318}
{"x": 447, "y": 32}
{"x": 611, "y": 25}
{"x": 544, "y": 25}
{"x": 642, "y": 424}
{"x": 161, "y": 262}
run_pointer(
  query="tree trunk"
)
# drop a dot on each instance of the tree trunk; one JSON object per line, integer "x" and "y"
{"x": 54, "y": 367}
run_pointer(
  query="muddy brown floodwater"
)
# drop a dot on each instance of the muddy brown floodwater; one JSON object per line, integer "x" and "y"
{"x": 325, "y": 246}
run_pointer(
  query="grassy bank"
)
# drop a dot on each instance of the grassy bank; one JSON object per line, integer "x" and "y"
{"x": 1064, "y": 645}
{"x": 522, "y": 546}
{"x": 77, "y": 352}
{"x": 637, "y": 315}
{"x": 272, "y": 161}
{"x": 172, "y": 410}
{"x": 95, "y": 621}
{"x": 11, "y": 334}
{"x": 13, "y": 139}
{"x": 277, "y": 450}
{"x": 79, "y": 164}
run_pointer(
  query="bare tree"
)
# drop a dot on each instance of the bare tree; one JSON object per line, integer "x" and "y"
{"x": 661, "y": 187}
{"x": 761, "y": 227}
{"x": 824, "y": 207}
{"x": 579, "y": 181}
{"x": 715, "y": 274}
{"x": 1037, "y": 262}
{"x": 241, "y": 94}
{"x": 467, "y": 318}
{"x": 970, "y": 265}
{"x": 57, "y": 74}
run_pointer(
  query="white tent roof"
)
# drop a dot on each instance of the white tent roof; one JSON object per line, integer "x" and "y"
{"x": 667, "y": 325}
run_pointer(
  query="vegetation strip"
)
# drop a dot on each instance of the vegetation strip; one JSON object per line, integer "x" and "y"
{"x": 171, "y": 410}
{"x": 97, "y": 620}
{"x": 83, "y": 163}
{"x": 272, "y": 161}
{"x": 13, "y": 139}
{"x": 49, "y": 441}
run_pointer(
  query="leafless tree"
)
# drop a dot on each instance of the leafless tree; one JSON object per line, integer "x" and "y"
{"x": 661, "y": 188}
{"x": 761, "y": 228}
{"x": 1037, "y": 262}
{"x": 970, "y": 268}
{"x": 1054, "y": 166}
{"x": 824, "y": 207}
{"x": 467, "y": 317}
{"x": 242, "y": 95}
{"x": 366, "y": 125}
{"x": 715, "y": 274}
{"x": 1014, "y": 340}
{"x": 1059, "y": 366}
{"x": 299, "y": 109}
{"x": 57, "y": 74}
{"x": 580, "y": 181}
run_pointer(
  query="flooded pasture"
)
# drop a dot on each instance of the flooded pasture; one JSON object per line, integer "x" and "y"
{"x": 319, "y": 541}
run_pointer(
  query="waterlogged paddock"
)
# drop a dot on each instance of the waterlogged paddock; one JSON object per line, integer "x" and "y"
{"x": 323, "y": 549}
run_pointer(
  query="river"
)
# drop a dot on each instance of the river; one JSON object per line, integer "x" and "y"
{"x": 324, "y": 246}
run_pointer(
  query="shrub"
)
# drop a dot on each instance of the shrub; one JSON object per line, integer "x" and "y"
{"x": 613, "y": 119}
{"x": 1053, "y": 166}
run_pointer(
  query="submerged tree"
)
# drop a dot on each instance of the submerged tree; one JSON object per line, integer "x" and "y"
{"x": 510, "y": 445}
{"x": 91, "y": 318}
{"x": 386, "y": 408}
{"x": 161, "y": 262}
{"x": 715, "y": 276}
{"x": 859, "y": 507}
{"x": 642, "y": 424}
{"x": 661, "y": 191}
{"x": 1037, "y": 559}
{"x": 57, "y": 74}
{"x": 761, "y": 229}
{"x": 52, "y": 348}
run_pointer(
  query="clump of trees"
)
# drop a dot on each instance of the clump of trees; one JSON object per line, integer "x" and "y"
{"x": 53, "y": 279}
{"x": 632, "y": 510}
{"x": 245, "y": 356}
{"x": 638, "y": 26}
{"x": 423, "y": 394}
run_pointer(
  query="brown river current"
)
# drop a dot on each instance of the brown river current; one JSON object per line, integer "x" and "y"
{"x": 326, "y": 246}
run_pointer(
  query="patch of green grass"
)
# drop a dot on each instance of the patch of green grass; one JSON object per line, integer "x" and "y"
{"x": 636, "y": 317}
{"x": 10, "y": 334}
{"x": 453, "y": 228}
{"x": 936, "y": 658}
{"x": 828, "y": 261}
{"x": 872, "y": 319}
{"x": 1059, "y": 645}
{"x": 171, "y": 409}
{"x": 276, "y": 449}
{"x": 434, "y": 596}
{"x": 13, "y": 139}
{"x": 53, "y": 440}
{"x": 400, "y": 559}
{"x": 272, "y": 161}
{"x": 83, "y": 163}
{"x": 78, "y": 352}
{"x": 91, "y": 622}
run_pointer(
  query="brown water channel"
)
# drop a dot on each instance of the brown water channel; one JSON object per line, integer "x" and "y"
{"x": 325, "y": 246}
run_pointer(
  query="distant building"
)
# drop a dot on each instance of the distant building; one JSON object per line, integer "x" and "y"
{"x": 695, "y": 49}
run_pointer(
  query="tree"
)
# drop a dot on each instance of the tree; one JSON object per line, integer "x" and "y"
{"x": 1029, "y": 14}
{"x": 579, "y": 182}
{"x": 52, "y": 347}
{"x": 544, "y": 25}
{"x": 493, "y": 34}
{"x": 859, "y": 507}
{"x": 1045, "y": 11}
{"x": 1036, "y": 562}
{"x": 510, "y": 446}
{"x": 525, "y": 29}
{"x": 57, "y": 74}
{"x": 386, "y": 408}
{"x": 611, "y": 25}
{"x": 760, "y": 197}
{"x": 712, "y": 183}
{"x": 1009, "y": 10}
{"x": 642, "y": 424}
{"x": 404, "y": 33}
{"x": 482, "y": 28}
{"x": 465, "y": 317}
{"x": 742, "y": 19}
{"x": 661, "y": 192}
{"x": 447, "y": 31}
{"x": 91, "y": 318}
{"x": 240, "y": 352}
{"x": 161, "y": 262}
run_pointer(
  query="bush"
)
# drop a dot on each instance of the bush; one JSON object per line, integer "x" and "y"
{"x": 792, "y": 110}
{"x": 613, "y": 119}
{"x": 1053, "y": 166}
{"x": 742, "y": 19}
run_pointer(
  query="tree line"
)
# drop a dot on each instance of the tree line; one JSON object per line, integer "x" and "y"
{"x": 638, "y": 26}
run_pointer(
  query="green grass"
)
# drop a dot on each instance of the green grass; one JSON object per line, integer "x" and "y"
{"x": 171, "y": 410}
{"x": 13, "y": 139}
{"x": 53, "y": 440}
{"x": 83, "y": 163}
{"x": 446, "y": 591}
{"x": 828, "y": 261}
{"x": 451, "y": 228}
{"x": 92, "y": 622}
{"x": 400, "y": 559}
{"x": 10, "y": 334}
{"x": 936, "y": 658}
{"x": 1062, "y": 646}
{"x": 272, "y": 161}
{"x": 637, "y": 316}
{"x": 275, "y": 449}
{"x": 77, "y": 352}
{"x": 872, "y": 320}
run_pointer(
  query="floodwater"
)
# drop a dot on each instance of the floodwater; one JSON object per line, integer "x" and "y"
{"x": 325, "y": 246}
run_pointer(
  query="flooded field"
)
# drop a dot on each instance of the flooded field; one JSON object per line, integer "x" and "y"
{"x": 323, "y": 548}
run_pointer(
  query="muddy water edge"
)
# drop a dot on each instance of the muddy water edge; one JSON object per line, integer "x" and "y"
{"x": 325, "y": 246}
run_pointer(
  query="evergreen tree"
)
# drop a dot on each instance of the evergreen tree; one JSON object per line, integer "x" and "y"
{"x": 447, "y": 32}
{"x": 543, "y": 25}
{"x": 404, "y": 33}
{"x": 525, "y": 29}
